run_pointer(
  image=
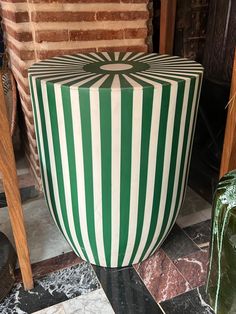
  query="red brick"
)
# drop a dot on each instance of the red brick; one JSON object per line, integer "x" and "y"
{"x": 44, "y": 54}
{"x": 23, "y": 54}
{"x": 77, "y": 1}
{"x": 20, "y": 36}
{"x": 51, "y": 36}
{"x": 22, "y": 84}
{"x": 14, "y": 1}
{"x": 22, "y": 69}
{"x": 122, "y": 15}
{"x": 62, "y": 16}
{"x": 141, "y": 48}
{"x": 17, "y": 17}
{"x": 98, "y": 34}
{"x": 135, "y": 33}
{"x": 135, "y": 1}
{"x": 27, "y": 104}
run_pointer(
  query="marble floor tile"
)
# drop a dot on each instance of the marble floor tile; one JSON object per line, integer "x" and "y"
{"x": 50, "y": 265}
{"x": 25, "y": 177}
{"x": 44, "y": 238}
{"x": 193, "y": 203}
{"x": 200, "y": 233}
{"x": 194, "y": 267}
{"x": 51, "y": 289}
{"x": 24, "y": 180}
{"x": 94, "y": 302}
{"x": 191, "y": 302}
{"x": 178, "y": 244}
{"x": 28, "y": 194}
{"x": 55, "y": 309}
{"x": 126, "y": 291}
{"x": 161, "y": 277}
{"x": 194, "y": 218}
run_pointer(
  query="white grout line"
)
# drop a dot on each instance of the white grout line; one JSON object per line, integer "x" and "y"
{"x": 161, "y": 308}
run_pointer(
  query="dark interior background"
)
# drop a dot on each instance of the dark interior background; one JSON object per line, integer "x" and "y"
{"x": 205, "y": 31}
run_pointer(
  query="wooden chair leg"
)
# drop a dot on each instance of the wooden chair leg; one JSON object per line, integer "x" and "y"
{"x": 10, "y": 184}
{"x": 228, "y": 159}
{"x": 167, "y": 26}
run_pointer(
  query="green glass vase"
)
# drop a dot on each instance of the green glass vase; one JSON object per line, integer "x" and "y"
{"x": 221, "y": 284}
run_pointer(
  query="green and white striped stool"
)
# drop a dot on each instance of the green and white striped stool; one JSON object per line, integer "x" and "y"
{"x": 114, "y": 134}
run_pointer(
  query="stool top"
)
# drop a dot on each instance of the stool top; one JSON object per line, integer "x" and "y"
{"x": 115, "y": 70}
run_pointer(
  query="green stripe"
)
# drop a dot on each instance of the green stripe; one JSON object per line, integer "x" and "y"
{"x": 105, "y": 126}
{"x": 37, "y": 121}
{"x": 72, "y": 164}
{"x": 184, "y": 150}
{"x": 58, "y": 161}
{"x": 159, "y": 165}
{"x": 125, "y": 172}
{"x": 183, "y": 154}
{"x": 46, "y": 149}
{"x": 88, "y": 167}
{"x": 145, "y": 139}
{"x": 174, "y": 154}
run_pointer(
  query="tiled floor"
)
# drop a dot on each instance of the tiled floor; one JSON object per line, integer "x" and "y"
{"x": 170, "y": 281}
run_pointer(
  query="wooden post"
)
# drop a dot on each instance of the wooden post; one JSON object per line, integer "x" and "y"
{"x": 10, "y": 184}
{"x": 228, "y": 159}
{"x": 167, "y": 26}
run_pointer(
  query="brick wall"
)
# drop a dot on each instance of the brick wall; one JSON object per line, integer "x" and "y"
{"x": 38, "y": 29}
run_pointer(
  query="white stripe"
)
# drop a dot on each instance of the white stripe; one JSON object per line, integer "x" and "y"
{"x": 79, "y": 161}
{"x": 48, "y": 69}
{"x": 181, "y": 76}
{"x": 159, "y": 59}
{"x": 74, "y": 60}
{"x": 152, "y": 159}
{"x": 116, "y": 55}
{"x": 178, "y": 159}
{"x": 166, "y": 167}
{"x": 192, "y": 126}
{"x": 147, "y": 57}
{"x": 65, "y": 166}
{"x": 178, "y": 169}
{"x": 136, "y": 56}
{"x": 115, "y": 169}
{"x": 126, "y": 56}
{"x": 68, "y": 78}
{"x": 85, "y": 57}
{"x": 94, "y": 54}
{"x": 97, "y": 172}
{"x": 183, "y": 121}
{"x": 39, "y": 137}
{"x": 135, "y": 166}
{"x": 60, "y": 71}
{"x": 170, "y": 70}
{"x": 52, "y": 160}
{"x": 85, "y": 81}
{"x": 106, "y": 55}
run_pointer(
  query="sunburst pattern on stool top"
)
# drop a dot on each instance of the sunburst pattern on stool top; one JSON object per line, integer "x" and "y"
{"x": 114, "y": 69}
{"x": 114, "y": 134}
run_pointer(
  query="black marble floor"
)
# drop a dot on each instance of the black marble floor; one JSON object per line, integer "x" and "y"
{"x": 125, "y": 288}
{"x": 168, "y": 282}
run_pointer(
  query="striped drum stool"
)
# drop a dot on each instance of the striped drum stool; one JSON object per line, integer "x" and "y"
{"x": 114, "y": 134}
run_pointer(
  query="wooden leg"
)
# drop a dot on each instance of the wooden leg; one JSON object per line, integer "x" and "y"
{"x": 10, "y": 184}
{"x": 228, "y": 159}
{"x": 167, "y": 26}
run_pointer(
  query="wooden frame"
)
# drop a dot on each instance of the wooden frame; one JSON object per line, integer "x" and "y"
{"x": 167, "y": 26}
{"x": 11, "y": 188}
{"x": 228, "y": 159}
